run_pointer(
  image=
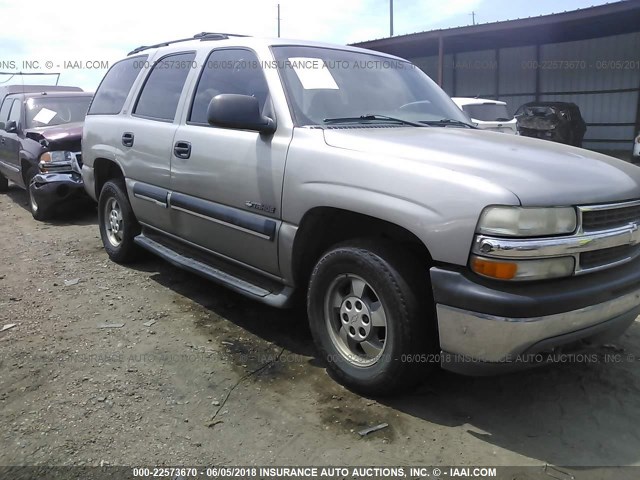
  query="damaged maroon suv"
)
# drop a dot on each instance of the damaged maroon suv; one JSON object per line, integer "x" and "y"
{"x": 40, "y": 135}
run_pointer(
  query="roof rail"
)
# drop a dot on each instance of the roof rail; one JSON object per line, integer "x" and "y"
{"x": 204, "y": 36}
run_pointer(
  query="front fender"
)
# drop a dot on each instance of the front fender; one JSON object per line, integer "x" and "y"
{"x": 439, "y": 206}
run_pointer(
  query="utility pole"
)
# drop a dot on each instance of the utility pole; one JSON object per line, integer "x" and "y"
{"x": 391, "y": 18}
{"x": 278, "y": 20}
{"x": 473, "y": 17}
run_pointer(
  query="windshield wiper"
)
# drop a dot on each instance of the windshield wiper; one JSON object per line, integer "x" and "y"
{"x": 446, "y": 121}
{"x": 370, "y": 117}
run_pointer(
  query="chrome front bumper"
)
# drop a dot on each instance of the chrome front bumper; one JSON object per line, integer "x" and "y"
{"x": 490, "y": 338}
{"x": 489, "y": 326}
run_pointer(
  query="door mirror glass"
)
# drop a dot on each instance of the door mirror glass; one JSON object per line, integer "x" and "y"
{"x": 11, "y": 127}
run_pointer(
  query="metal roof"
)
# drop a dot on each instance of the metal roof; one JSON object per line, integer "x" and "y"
{"x": 593, "y": 22}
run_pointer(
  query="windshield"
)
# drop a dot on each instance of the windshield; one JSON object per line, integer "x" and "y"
{"x": 45, "y": 112}
{"x": 488, "y": 112}
{"x": 323, "y": 83}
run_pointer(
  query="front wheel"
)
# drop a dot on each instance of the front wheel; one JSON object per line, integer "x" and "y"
{"x": 118, "y": 225}
{"x": 371, "y": 318}
{"x": 4, "y": 184}
{"x": 39, "y": 211}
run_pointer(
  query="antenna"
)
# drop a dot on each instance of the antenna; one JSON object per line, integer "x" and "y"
{"x": 391, "y": 18}
{"x": 473, "y": 17}
{"x": 278, "y": 20}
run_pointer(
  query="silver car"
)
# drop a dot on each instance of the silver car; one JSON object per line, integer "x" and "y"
{"x": 347, "y": 179}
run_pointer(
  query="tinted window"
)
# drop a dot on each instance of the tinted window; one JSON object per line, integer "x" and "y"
{"x": 161, "y": 92}
{"x": 14, "y": 114}
{"x": 43, "y": 112}
{"x": 115, "y": 86}
{"x": 4, "y": 111}
{"x": 228, "y": 71}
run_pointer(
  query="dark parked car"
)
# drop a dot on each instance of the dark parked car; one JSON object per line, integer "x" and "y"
{"x": 556, "y": 121}
{"x": 40, "y": 135}
{"x": 9, "y": 89}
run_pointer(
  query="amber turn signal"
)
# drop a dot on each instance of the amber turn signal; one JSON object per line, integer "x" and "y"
{"x": 494, "y": 269}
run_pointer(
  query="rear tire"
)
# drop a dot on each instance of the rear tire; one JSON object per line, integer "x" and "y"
{"x": 372, "y": 317}
{"x": 118, "y": 224}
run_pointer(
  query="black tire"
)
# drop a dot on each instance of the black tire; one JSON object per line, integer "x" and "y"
{"x": 4, "y": 184}
{"x": 398, "y": 283}
{"x": 124, "y": 250}
{"x": 38, "y": 211}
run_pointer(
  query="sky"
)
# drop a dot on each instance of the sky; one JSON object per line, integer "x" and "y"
{"x": 79, "y": 39}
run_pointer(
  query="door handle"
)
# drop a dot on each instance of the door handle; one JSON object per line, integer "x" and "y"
{"x": 127, "y": 139}
{"x": 182, "y": 149}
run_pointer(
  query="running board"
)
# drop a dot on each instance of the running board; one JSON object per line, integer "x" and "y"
{"x": 279, "y": 299}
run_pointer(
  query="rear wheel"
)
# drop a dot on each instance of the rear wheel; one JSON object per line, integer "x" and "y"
{"x": 118, "y": 225}
{"x": 371, "y": 318}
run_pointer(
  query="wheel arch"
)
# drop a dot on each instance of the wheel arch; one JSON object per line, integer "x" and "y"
{"x": 322, "y": 227}
{"x": 105, "y": 169}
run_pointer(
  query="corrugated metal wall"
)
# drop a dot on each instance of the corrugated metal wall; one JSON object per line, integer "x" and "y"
{"x": 602, "y": 76}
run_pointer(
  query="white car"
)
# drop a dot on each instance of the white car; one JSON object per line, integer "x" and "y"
{"x": 488, "y": 114}
{"x": 636, "y": 148}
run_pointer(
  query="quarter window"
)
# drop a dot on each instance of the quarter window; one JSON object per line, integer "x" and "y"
{"x": 229, "y": 71}
{"x": 114, "y": 88}
{"x": 161, "y": 92}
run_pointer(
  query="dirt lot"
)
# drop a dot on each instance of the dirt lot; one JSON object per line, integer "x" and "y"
{"x": 221, "y": 380}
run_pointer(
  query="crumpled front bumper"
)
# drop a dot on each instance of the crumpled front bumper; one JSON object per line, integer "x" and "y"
{"x": 490, "y": 327}
{"x": 51, "y": 189}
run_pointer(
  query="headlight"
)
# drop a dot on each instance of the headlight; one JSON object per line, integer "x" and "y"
{"x": 527, "y": 222}
{"x": 56, "y": 160}
{"x": 523, "y": 269}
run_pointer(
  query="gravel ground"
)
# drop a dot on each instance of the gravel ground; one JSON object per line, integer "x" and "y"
{"x": 200, "y": 376}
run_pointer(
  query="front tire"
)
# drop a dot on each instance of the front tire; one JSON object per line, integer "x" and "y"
{"x": 4, "y": 184}
{"x": 371, "y": 317}
{"x": 118, "y": 224}
{"x": 38, "y": 211}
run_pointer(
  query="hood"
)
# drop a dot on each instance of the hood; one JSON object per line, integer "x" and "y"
{"x": 538, "y": 172}
{"x": 57, "y": 135}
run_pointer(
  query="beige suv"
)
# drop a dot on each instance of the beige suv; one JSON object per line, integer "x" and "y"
{"x": 348, "y": 179}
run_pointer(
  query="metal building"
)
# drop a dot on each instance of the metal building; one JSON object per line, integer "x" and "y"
{"x": 590, "y": 57}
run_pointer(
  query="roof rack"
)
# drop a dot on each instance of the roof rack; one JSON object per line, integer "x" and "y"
{"x": 204, "y": 36}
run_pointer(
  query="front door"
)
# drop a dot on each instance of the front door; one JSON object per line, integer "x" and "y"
{"x": 226, "y": 192}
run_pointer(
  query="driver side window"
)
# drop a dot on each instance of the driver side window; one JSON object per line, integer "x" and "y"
{"x": 4, "y": 111}
{"x": 14, "y": 114}
{"x": 229, "y": 71}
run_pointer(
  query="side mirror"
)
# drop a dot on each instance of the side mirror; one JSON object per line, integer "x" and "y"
{"x": 11, "y": 127}
{"x": 238, "y": 111}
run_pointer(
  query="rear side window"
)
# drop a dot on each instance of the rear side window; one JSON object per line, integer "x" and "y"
{"x": 115, "y": 86}
{"x": 229, "y": 71}
{"x": 161, "y": 92}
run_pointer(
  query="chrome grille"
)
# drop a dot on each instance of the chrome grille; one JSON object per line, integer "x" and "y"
{"x": 602, "y": 219}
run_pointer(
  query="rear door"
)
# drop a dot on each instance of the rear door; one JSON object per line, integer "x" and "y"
{"x": 146, "y": 135}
